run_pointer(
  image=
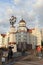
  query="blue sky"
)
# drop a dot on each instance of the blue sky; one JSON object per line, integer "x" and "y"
{"x": 30, "y": 10}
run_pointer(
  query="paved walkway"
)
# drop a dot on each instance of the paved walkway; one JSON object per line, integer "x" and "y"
{"x": 25, "y": 60}
{"x": 27, "y": 63}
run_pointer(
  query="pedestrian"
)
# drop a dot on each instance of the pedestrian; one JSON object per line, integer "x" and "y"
{"x": 1, "y": 53}
{"x": 10, "y": 53}
{"x": 3, "y": 60}
{"x": 39, "y": 51}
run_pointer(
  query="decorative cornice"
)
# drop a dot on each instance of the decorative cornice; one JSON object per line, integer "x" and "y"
{"x": 12, "y": 32}
{"x": 12, "y": 42}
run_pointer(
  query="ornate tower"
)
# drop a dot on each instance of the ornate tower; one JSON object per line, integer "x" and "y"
{"x": 22, "y": 35}
{"x": 12, "y": 34}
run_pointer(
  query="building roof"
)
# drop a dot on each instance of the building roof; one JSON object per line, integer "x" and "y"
{"x": 3, "y": 35}
{"x": 29, "y": 30}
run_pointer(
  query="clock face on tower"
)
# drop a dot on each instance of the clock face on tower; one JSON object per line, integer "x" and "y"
{"x": 12, "y": 20}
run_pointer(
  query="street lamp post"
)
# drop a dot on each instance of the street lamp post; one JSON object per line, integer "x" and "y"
{"x": 12, "y": 37}
{"x": 12, "y": 20}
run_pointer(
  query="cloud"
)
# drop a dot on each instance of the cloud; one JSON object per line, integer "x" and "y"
{"x": 38, "y": 8}
{"x": 3, "y": 29}
{"x": 17, "y": 1}
{"x": 30, "y": 10}
{"x": 20, "y": 11}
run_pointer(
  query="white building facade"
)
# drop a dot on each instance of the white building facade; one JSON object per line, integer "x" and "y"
{"x": 22, "y": 36}
{"x": 36, "y": 37}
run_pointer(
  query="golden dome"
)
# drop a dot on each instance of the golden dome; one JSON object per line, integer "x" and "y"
{"x": 22, "y": 23}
